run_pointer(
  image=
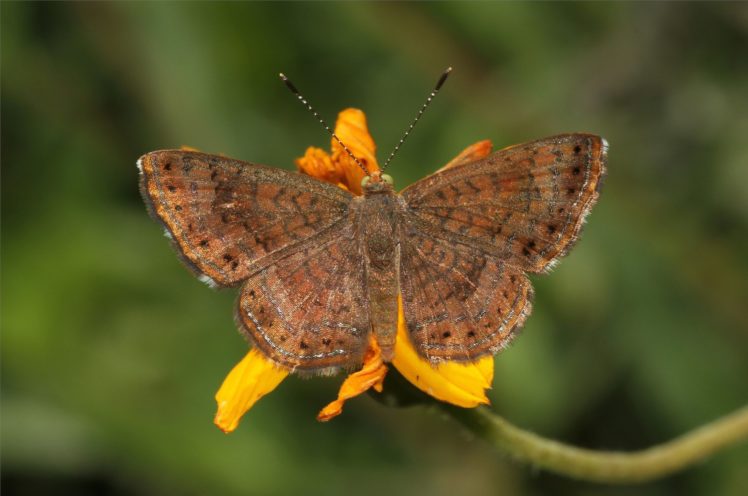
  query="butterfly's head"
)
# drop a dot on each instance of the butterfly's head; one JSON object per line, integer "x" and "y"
{"x": 377, "y": 183}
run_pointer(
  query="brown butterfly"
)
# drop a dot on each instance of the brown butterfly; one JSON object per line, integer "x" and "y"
{"x": 320, "y": 269}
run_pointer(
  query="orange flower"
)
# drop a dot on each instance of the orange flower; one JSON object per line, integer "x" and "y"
{"x": 456, "y": 383}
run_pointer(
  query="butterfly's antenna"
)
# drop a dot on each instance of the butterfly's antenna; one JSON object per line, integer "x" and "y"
{"x": 436, "y": 89}
{"x": 321, "y": 121}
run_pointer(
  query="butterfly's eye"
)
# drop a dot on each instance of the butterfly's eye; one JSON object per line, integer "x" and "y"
{"x": 388, "y": 179}
{"x": 365, "y": 181}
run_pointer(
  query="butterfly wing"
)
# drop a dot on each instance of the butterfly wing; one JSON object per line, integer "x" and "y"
{"x": 308, "y": 311}
{"x": 228, "y": 217}
{"x": 460, "y": 303}
{"x": 525, "y": 203}
{"x": 470, "y": 232}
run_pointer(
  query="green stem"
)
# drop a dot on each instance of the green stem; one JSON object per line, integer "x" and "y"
{"x": 604, "y": 466}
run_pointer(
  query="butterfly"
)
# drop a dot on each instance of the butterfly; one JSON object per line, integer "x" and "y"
{"x": 321, "y": 269}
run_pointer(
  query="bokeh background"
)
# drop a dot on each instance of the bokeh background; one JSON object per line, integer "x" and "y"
{"x": 112, "y": 351}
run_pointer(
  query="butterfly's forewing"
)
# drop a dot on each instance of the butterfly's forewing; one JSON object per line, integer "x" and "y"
{"x": 525, "y": 203}
{"x": 460, "y": 303}
{"x": 229, "y": 218}
{"x": 308, "y": 311}
{"x": 470, "y": 231}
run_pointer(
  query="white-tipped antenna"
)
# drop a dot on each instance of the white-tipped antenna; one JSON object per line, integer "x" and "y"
{"x": 304, "y": 102}
{"x": 436, "y": 89}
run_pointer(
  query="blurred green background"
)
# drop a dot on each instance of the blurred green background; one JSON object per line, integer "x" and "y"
{"x": 112, "y": 351}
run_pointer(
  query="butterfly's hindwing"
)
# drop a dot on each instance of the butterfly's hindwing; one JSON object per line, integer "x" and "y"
{"x": 309, "y": 310}
{"x": 460, "y": 303}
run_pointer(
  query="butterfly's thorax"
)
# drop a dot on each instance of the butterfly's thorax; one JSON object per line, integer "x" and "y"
{"x": 379, "y": 212}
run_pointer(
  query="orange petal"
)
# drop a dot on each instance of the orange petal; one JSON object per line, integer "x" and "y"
{"x": 352, "y": 130}
{"x": 473, "y": 152}
{"x": 318, "y": 163}
{"x": 248, "y": 381}
{"x": 456, "y": 383}
{"x": 371, "y": 375}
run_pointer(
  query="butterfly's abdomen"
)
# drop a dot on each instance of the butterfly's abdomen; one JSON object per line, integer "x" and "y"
{"x": 381, "y": 248}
